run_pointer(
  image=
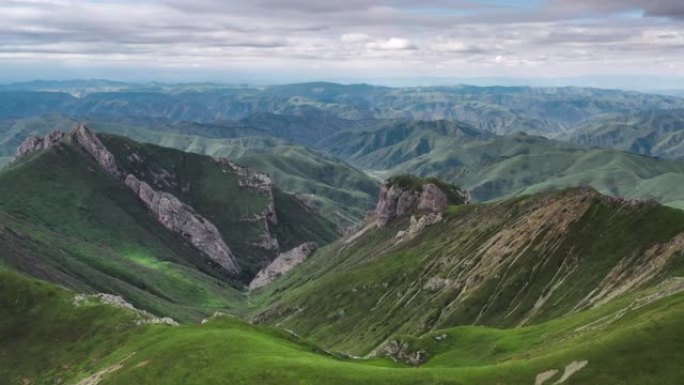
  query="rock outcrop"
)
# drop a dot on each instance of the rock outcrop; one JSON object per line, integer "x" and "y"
{"x": 418, "y": 225}
{"x": 169, "y": 211}
{"x": 182, "y": 219}
{"x": 282, "y": 264}
{"x": 251, "y": 178}
{"x": 96, "y": 149}
{"x": 401, "y": 351}
{"x": 37, "y": 143}
{"x": 397, "y": 200}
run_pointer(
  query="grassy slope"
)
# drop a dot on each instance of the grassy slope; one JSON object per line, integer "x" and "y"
{"x": 58, "y": 211}
{"x": 343, "y": 192}
{"x": 69, "y": 222}
{"x": 215, "y": 192}
{"x": 497, "y": 167}
{"x": 353, "y": 296}
{"x": 68, "y": 344}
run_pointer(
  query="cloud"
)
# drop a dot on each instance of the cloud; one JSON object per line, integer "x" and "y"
{"x": 391, "y": 44}
{"x": 356, "y": 37}
{"x": 655, "y": 8}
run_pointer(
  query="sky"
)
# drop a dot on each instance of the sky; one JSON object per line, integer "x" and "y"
{"x": 353, "y": 40}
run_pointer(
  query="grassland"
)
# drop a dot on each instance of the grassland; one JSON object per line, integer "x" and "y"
{"x": 64, "y": 343}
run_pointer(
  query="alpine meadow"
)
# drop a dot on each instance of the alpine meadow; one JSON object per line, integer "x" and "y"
{"x": 372, "y": 192}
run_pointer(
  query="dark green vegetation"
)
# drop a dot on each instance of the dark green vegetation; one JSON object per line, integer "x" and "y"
{"x": 64, "y": 219}
{"x": 342, "y": 193}
{"x": 518, "y": 262}
{"x": 561, "y": 286}
{"x": 447, "y": 132}
{"x": 633, "y": 339}
{"x": 492, "y": 167}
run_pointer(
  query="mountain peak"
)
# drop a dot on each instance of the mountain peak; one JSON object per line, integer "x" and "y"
{"x": 37, "y": 143}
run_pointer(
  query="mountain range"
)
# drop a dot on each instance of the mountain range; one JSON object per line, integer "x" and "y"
{"x": 328, "y": 234}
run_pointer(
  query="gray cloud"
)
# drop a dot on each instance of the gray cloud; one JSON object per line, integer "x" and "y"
{"x": 357, "y": 36}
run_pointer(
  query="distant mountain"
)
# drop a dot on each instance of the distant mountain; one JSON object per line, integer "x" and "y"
{"x": 501, "y": 110}
{"x": 655, "y": 133}
{"x": 492, "y": 167}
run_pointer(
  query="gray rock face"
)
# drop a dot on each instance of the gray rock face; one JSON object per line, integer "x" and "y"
{"x": 282, "y": 264}
{"x": 182, "y": 219}
{"x": 395, "y": 202}
{"x": 96, "y": 149}
{"x": 37, "y": 143}
{"x": 251, "y": 178}
{"x": 432, "y": 199}
{"x": 167, "y": 209}
{"x": 418, "y": 225}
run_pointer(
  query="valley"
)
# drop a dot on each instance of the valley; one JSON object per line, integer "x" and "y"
{"x": 327, "y": 234}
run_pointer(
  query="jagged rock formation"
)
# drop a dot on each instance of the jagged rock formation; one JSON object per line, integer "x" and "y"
{"x": 250, "y": 178}
{"x": 281, "y": 265}
{"x": 399, "y": 197}
{"x": 167, "y": 209}
{"x": 37, "y": 143}
{"x": 182, "y": 219}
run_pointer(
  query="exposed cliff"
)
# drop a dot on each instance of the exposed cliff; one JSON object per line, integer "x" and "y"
{"x": 182, "y": 219}
{"x": 404, "y": 195}
{"x": 166, "y": 208}
{"x": 281, "y": 265}
{"x": 234, "y": 215}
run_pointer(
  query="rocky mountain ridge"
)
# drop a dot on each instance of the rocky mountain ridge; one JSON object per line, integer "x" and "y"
{"x": 284, "y": 263}
{"x": 509, "y": 264}
{"x": 169, "y": 211}
{"x": 171, "y": 198}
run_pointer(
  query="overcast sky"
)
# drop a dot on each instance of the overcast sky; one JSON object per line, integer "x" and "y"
{"x": 281, "y": 40}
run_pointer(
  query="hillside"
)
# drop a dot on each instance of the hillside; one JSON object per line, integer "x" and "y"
{"x": 655, "y": 133}
{"x": 501, "y": 110}
{"x": 519, "y": 262}
{"x": 189, "y": 230}
{"x": 342, "y": 193}
{"x": 492, "y": 167}
{"x": 582, "y": 312}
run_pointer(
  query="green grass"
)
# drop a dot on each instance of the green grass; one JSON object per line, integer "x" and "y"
{"x": 65, "y": 343}
{"x": 353, "y": 297}
{"x": 64, "y": 220}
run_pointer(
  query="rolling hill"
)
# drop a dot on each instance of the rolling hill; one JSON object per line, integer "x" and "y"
{"x": 500, "y": 110}
{"x": 493, "y": 167}
{"x": 655, "y": 133}
{"x": 566, "y": 287}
